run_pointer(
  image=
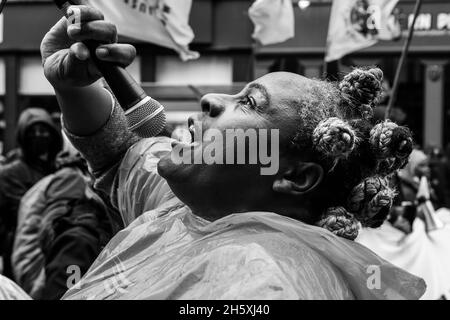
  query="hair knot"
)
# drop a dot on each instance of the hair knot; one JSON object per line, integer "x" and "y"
{"x": 392, "y": 146}
{"x": 334, "y": 138}
{"x": 371, "y": 200}
{"x": 361, "y": 90}
{"x": 340, "y": 222}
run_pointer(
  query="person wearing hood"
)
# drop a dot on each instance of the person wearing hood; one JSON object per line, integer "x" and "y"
{"x": 40, "y": 142}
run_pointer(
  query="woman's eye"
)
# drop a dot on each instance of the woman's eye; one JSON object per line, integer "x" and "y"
{"x": 250, "y": 101}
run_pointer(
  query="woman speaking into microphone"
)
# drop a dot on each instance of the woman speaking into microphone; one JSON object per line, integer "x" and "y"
{"x": 226, "y": 231}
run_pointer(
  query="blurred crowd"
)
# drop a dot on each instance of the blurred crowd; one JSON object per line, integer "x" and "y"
{"x": 52, "y": 221}
{"x": 53, "y": 224}
{"x": 432, "y": 164}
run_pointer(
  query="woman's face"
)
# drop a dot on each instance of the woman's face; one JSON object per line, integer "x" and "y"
{"x": 265, "y": 108}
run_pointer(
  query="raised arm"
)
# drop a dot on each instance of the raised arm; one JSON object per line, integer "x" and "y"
{"x": 67, "y": 65}
{"x": 92, "y": 119}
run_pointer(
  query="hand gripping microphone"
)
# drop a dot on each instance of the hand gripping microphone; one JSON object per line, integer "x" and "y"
{"x": 145, "y": 115}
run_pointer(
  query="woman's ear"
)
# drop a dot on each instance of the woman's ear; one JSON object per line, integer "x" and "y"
{"x": 299, "y": 179}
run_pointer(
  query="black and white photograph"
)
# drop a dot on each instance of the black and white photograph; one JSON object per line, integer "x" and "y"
{"x": 225, "y": 154}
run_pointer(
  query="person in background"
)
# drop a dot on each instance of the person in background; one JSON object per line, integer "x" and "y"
{"x": 409, "y": 177}
{"x": 415, "y": 237}
{"x": 407, "y": 181}
{"x": 39, "y": 142}
{"x": 439, "y": 176}
{"x": 54, "y": 199}
{"x": 70, "y": 241}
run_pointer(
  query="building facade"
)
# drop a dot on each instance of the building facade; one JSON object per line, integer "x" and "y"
{"x": 230, "y": 58}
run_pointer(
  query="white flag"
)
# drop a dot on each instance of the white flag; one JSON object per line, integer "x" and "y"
{"x": 359, "y": 24}
{"x": 163, "y": 22}
{"x": 274, "y": 21}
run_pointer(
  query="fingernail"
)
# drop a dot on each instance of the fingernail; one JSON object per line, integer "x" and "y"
{"x": 74, "y": 28}
{"x": 102, "y": 52}
{"x": 81, "y": 56}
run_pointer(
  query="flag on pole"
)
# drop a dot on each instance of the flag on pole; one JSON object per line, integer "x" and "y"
{"x": 359, "y": 24}
{"x": 162, "y": 22}
{"x": 273, "y": 19}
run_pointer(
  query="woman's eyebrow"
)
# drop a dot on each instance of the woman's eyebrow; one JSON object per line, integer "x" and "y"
{"x": 262, "y": 89}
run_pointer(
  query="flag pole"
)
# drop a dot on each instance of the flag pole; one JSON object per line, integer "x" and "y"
{"x": 402, "y": 60}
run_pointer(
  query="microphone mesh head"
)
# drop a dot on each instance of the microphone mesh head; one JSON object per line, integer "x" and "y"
{"x": 147, "y": 119}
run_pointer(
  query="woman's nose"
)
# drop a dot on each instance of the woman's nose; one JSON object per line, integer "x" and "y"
{"x": 213, "y": 104}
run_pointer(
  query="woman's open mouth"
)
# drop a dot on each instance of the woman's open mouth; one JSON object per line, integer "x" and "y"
{"x": 193, "y": 139}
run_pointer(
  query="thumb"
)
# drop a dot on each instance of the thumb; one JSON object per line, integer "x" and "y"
{"x": 79, "y": 52}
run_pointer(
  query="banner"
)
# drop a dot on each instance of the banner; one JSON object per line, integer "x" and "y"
{"x": 274, "y": 21}
{"x": 162, "y": 22}
{"x": 359, "y": 24}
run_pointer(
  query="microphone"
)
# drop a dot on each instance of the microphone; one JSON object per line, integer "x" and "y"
{"x": 145, "y": 115}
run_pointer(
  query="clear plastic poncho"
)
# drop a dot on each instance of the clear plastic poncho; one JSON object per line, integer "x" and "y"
{"x": 170, "y": 253}
{"x": 11, "y": 291}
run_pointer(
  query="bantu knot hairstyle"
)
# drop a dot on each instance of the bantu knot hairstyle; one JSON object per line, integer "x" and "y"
{"x": 337, "y": 130}
{"x": 361, "y": 89}
{"x": 337, "y": 126}
{"x": 371, "y": 201}
{"x": 334, "y": 138}
{"x": 392, "y": 146}
{"x": 340, "y": 222}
